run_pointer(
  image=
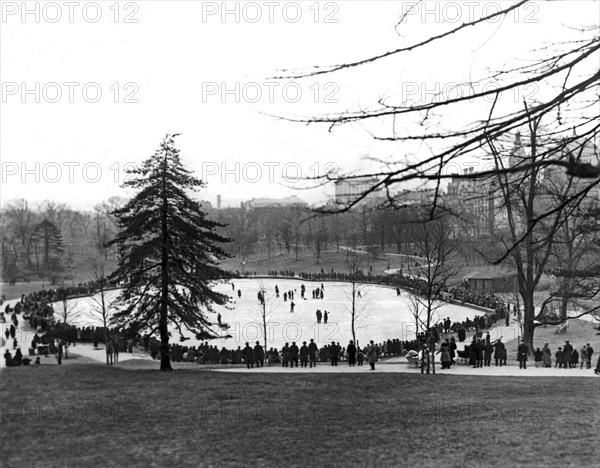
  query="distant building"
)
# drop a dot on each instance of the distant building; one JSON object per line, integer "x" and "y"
{"x": 474, "y": 202}
{"x": 415, "y": 197}
{"x": 349, "y": 190}
{"x": 274, "y": 203}
{"x": 218, "y": 202}
{"x": 489, "y": 282}
{"x": 206, "y": 204}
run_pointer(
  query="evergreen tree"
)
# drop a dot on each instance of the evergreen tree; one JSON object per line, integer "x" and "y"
{"x": 169, "y": 252}
{"x": 48, "y": 238}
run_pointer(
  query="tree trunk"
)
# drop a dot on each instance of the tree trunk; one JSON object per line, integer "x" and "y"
{"x": 165, "y": 359}
{"x": 353, "y": 310}
{"x": 528, "y": 323}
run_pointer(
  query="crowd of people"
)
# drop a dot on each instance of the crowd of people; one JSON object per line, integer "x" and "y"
{"x": 55, "y": 338}
{"x": 566, "y": 357}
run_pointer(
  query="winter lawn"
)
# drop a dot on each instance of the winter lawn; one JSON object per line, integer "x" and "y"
{"x": 91, "y": 416}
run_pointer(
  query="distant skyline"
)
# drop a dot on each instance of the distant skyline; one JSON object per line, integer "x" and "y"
{"x": 186, "y": 68}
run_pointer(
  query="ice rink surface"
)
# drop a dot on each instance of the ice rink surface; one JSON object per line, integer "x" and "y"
{"x": 380, "y": 313}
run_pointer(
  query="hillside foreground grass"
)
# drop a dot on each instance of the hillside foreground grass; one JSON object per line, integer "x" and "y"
{"x": 90, "y": 415}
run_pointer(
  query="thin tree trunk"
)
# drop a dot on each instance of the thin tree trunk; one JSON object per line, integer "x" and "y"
{"x": 165, "y": 359}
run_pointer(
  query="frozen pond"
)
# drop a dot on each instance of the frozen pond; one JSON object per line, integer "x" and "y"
{"x": 381, "y": 314}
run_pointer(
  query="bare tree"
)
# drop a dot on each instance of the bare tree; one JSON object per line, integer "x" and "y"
{"x": 355, "y": 294}
{"x": 440, "y": 255}
{"x": 566, "y": 70}
{"x": 22, "y": 219}
{"x": 55, "y": 212}
{"x": 69, "y": 310}
{"x": 536, "y": 212}
{"x": 103, "y": 308}
{"x": 265, "y": 311}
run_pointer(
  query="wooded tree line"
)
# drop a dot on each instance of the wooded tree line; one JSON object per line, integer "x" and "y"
{"x": 47, "y": 240}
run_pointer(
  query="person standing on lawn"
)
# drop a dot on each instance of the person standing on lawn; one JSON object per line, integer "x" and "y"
{"x": 487, "y": 353}
{"x": 522, "y": 354}
{"x": 333, "y": 353}
{"x": 372, "y": 355}
{"x": 574, "y": 358}
{"x": 249, "y": 356}
{"x": 559, "y": 358}
{"x": 286, "y": 355}
{"x": 583, "y": 355}
{"x": 453, "y": 348}
{"x": 499, "y": 350}
{"x": 294, "y": 354}
{"x": 480, "y": 347}
{"x": 312, "y": 353}
{"x": 537, "y": 357}
{"x": 259, "y": 355}
{"x": 351, "y": 350}
{"x": 304, "y": 355}
{"x": 567, "y": 351}
{"x": 590, "y": 351}
{"x": 445, "y": 354}
{"x": 546, "y": 356}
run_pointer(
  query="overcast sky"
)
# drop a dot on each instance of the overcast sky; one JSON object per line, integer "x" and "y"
{"x": 182, "y": 67}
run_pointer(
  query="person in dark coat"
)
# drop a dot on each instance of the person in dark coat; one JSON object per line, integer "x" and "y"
{"x": 325, "y": 317}
{"x": 574, "y": 358}
{"x": 8, "y": 360}
{"x": 480, "y": 348}
{"x": 286, "y": 355}
{"x": 312, "y": 353}
{"x": 360, "y": 357}
{"x": 488, "y": 348}
{"x": 453, "y": 348}
{"x": 499, "y": 349}
{"x": 567, "y": 351}
{"x": 590, "y": 351}
{"x": 522, "y": 354}
{"x": 351, "y": 350}
{"x": 303, "y": 355}
{"x": 18, "y": 358}
{"x": 538, "y": 356}
{"x": 333, "y": 353}
{"x": 259, "y": 355}
{"x": 294, "y": 354}
{"x": 248, "y": 353}
{"x": 473, "y": 354}
{"x": 559, "y": 358}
